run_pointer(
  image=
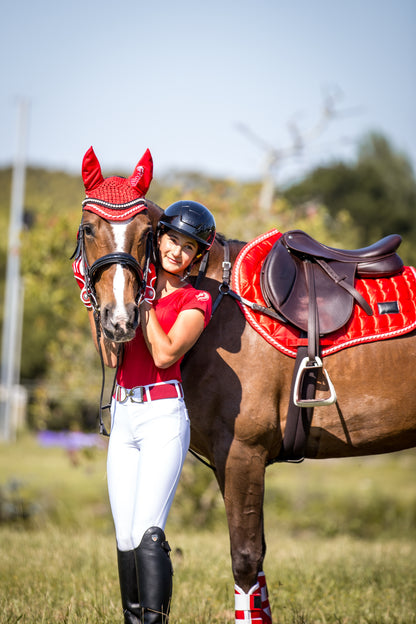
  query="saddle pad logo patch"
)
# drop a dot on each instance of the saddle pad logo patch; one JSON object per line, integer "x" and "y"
{"x": 388, "y": 307}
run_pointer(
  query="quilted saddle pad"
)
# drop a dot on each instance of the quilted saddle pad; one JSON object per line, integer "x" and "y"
{"x": 392, "y": 299}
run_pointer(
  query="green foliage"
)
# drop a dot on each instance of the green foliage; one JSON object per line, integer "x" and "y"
{"x": 378, "y": 192}
{"x": 366, "y": 497}
{"x": 57, "y": 346}
{"x": 17, "y": 506}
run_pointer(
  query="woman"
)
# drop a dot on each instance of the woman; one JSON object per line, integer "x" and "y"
{"x": 150, "y": 429}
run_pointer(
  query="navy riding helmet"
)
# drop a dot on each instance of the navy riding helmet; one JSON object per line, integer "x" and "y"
{"x": 192, "y": 219}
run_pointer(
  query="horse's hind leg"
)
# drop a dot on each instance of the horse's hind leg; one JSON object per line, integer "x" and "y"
{"x": 243, "y": 491}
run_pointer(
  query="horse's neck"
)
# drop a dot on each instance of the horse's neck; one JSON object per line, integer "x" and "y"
{"x": 154, "y": 212}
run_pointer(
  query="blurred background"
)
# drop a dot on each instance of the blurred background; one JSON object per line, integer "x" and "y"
{"x": 274, "y": 114}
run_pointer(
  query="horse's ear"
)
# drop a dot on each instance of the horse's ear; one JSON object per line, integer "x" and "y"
{"x": 143, "y": 174}
{"x": 91, "y": 170}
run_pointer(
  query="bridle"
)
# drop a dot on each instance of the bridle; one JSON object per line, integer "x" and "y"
{"x": 91, "y": 274}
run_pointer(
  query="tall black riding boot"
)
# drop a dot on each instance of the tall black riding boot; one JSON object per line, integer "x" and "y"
{"x": 129, "y": 586}
{"x": 154, "y": 570}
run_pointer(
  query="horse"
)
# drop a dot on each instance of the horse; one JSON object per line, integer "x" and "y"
{"x": 238, "y": 386}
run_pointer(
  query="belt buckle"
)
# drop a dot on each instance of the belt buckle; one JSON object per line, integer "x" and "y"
{"x": 130, "y": 394}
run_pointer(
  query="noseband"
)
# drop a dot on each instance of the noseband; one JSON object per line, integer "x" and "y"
{"x": 122, "y": 258}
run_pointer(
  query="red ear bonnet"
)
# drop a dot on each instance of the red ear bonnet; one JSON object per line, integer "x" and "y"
{"x": 115, "y": 198}
{"x": 143, "y": 173}
{"x": 91, "y": 170}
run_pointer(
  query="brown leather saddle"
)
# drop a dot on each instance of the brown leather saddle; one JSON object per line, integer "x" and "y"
{"x": 298, "y": 264}
{"x": 312, "y": 287}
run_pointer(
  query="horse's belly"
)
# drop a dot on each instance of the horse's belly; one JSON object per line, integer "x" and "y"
{"x": 375, "y": 411}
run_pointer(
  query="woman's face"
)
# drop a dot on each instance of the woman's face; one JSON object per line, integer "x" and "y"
{"x": 176, "y": 251}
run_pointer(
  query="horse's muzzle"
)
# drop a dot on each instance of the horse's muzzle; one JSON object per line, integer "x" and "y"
{"x": 119, "y": 326}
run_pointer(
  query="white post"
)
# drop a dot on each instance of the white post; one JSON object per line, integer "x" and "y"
{"x": 12, "y": 314}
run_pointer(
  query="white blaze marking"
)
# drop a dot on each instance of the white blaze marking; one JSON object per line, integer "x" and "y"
{"x": 119, "y": 233}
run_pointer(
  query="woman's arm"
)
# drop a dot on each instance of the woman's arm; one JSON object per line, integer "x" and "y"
{"x": 166, "y": 349}
{"x": 109, "y": 349}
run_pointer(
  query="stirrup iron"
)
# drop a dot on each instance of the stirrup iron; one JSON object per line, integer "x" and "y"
{"x": 304, "y": 366}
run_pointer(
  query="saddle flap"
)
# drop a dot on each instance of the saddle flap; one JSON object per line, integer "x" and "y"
{"x": 284, "y": 287}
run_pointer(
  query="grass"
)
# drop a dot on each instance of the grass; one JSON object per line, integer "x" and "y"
{"x": 341, "y": 539}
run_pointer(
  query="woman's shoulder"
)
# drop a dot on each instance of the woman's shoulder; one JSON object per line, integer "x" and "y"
{"x": 197, "y": 299}
{"x": 185, "y": 298}
{"x": 184, "y": 295}
{"x": 189, "y": 293}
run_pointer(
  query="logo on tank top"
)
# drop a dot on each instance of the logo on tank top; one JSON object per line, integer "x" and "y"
{"x": 202, "y": 296}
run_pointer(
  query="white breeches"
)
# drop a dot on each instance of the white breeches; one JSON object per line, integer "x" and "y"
{"x": 146, "y": 452}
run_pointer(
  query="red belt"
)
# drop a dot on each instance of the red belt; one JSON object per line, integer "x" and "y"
{"x": 152, "y": 392}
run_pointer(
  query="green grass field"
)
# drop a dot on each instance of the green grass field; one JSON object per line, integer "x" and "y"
{"x": 341, "y": 539}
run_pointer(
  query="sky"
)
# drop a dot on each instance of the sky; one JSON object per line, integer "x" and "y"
{"x": 221, "y": 87}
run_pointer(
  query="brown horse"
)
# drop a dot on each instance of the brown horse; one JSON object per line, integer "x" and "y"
{"x": 237, "y": 387}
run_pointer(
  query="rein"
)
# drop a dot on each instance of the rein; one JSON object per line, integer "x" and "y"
{"x": 103, "y": 430}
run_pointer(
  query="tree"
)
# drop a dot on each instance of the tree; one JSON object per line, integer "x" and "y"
{"x": 378, "y": 192}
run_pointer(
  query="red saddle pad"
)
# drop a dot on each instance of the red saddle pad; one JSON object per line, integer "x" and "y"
{"x": 393, "y": 301}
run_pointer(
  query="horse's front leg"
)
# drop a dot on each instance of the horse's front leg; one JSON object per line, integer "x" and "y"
{"x": 243, "y": 491}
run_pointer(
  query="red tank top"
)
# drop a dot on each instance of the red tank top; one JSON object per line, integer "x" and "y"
{"x": 138, "y": 367}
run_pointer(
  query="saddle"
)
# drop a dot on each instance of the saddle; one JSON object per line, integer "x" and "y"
{"x": 311, "y": 286}
{"x": 300, "y": 273}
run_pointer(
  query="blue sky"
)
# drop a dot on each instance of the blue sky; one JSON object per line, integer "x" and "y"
{"x": 206, "y": 86}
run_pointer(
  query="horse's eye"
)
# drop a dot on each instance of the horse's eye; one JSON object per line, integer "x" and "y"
{"x": 88, "y": 230}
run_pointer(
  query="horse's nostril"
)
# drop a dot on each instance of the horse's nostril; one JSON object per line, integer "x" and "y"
{"x": 105, "y": 313}
{"x": 133, "y": 317}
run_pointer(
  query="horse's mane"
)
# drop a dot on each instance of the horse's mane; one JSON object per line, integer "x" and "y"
{"x": 221, "y": 238}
